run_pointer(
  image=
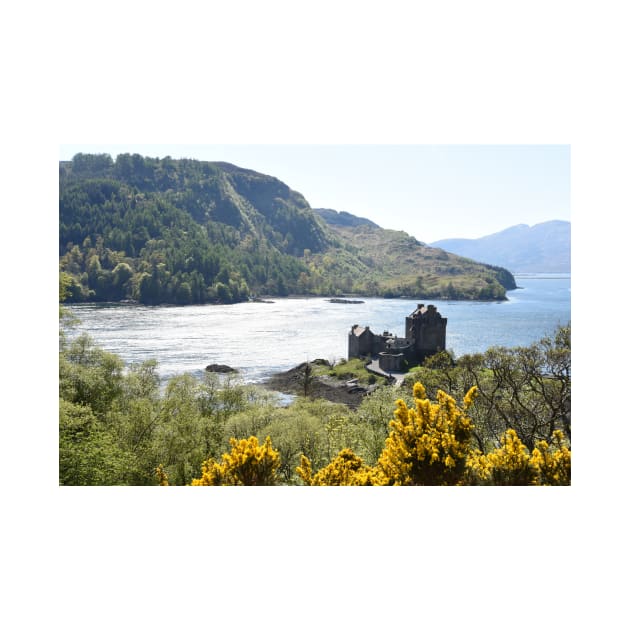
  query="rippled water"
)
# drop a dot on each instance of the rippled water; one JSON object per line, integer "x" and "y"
{"x": 259, "y": 339}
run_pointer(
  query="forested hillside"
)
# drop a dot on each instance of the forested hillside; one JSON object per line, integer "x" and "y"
{"x": 185, "y": 231}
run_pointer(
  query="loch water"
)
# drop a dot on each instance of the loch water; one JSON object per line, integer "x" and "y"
{"x": 259, "y": 338}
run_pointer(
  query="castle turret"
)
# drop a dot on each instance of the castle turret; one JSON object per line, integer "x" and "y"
{"x": 426, "y": 329}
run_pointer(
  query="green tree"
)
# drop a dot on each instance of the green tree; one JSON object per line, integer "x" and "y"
{"x": 88, "y": 454}
{"x": 121, "y": 278}
{"x": 223, "y": 293}
{"x": 307, "y": 427}
{"x": 135, "y": 419}
{"x": 90, "y": 376}
{"x": 183, "y": 294}
{"x": 152, "y": 286}
{"x": 180, "y": 433}
{"x": 372, "y": 419}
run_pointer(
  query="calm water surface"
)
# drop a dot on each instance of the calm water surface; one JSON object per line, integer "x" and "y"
{"x": 259, "y": 339}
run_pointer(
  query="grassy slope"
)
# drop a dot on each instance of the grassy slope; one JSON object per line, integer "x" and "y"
{"x": 400, "y": 264}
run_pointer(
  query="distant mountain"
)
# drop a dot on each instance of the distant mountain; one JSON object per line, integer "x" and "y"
{"x": 185, "y": 231}
{"x": 544, "y": 247}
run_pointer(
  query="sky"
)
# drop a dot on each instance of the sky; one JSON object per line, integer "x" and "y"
{"x": 432, "y": 192}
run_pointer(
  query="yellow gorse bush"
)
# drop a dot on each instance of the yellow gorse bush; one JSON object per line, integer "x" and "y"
{"x": 552, "y": 463}
{"x": 347, "y": 469}
{"x": 428, "y": 445}
{"x": 247, "y": 464}
{"x": 512, "y": 465}
{"x": 508, "y": 465}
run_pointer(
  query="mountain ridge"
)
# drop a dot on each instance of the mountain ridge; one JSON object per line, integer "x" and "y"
{"x": 160, "y": 230}
{"x": 343, "y": 218}
{"x": 542, "y": 247}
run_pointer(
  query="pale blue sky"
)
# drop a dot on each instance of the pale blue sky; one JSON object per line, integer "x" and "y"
{"x": 430, "y": 191}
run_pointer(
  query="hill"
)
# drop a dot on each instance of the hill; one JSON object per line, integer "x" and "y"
{"x": 400, "y": 265}
{"x": 185, "y": 231}
{"x": 544, "y": 247}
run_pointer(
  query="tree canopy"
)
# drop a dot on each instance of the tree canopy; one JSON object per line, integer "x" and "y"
{"x": 185, "y": 231}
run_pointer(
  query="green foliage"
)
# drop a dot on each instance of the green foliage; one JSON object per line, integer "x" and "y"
{"x": 295, "y": 431}
{"x": 88, "y": 454}
{"x": 527, "y": 389}
{"x": 89, "y": 376}
{"x": 180, "y": 432}
{"x": 317, "y": 428}
{"x": 65, "y": 280}
{"x": 105, "y": 416}
{"x": 249, "y": 421}
{"x": 116, "y": 426}
{"x": 179, "y": 231}
{"x": 183, "y": 232}
{"x": 346, "y": 370}
{"x": 372, "y": 419}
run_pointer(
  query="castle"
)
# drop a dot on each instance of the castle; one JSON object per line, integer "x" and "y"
{"x": 425, "y": 334}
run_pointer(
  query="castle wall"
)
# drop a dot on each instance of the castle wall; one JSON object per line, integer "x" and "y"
{"x": 391, "y": 362}
{"x": 431, "y": 339}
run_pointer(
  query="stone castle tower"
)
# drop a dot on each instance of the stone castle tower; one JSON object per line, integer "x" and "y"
{"x": 426, "y": 329}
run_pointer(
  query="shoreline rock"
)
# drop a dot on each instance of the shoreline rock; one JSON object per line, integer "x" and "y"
{"x": 221, "y": 369}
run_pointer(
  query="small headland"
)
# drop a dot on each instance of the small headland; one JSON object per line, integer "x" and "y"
{"x": 345, "y": 382}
